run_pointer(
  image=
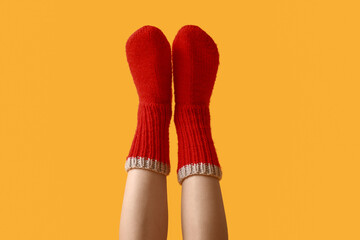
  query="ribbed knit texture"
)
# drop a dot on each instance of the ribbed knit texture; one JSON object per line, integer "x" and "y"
{"x": 149, "y": 57}
{"x": 151, "y": 140}
{"x": 195, "y": 61}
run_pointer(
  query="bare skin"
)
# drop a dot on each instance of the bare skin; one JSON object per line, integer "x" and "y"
{"x": 202, "y": 209}
{"x": 144, "y": 212}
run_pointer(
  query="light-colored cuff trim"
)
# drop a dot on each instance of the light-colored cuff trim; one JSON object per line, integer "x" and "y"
{"x": 147, "y": 163}
{"x": 199, "y": 169}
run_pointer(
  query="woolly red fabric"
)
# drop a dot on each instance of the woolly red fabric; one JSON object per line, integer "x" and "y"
{"x": 149, "y": 56}
{"x": 195, "y": 65}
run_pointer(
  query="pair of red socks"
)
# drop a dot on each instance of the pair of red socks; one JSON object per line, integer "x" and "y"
{"x": 195, "y": 61}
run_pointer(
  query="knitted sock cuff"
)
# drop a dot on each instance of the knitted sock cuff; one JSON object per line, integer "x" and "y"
{"x": 150, "y": 146}
{"x": 197, "y": 154}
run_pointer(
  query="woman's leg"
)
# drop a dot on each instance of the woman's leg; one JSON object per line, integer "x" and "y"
{"x": 144, "y": 212}
{"x": 195, "y": 61}
{"x": 202, "y": 209}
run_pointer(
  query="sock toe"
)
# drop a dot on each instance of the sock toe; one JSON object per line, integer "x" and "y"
{"x": 195, "y": 60}
{"x": 149, "y": 56}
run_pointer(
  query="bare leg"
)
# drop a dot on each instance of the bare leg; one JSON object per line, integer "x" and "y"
{"x": 144, "y": 212}
{"x": 202, "y": 209}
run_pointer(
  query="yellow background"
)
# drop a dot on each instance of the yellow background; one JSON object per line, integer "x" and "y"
{"x": 285, "y": 115}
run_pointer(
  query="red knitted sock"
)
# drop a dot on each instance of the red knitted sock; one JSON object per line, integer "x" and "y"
{"x": 149, "y": 56}
{"x": 195, "y": 64}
